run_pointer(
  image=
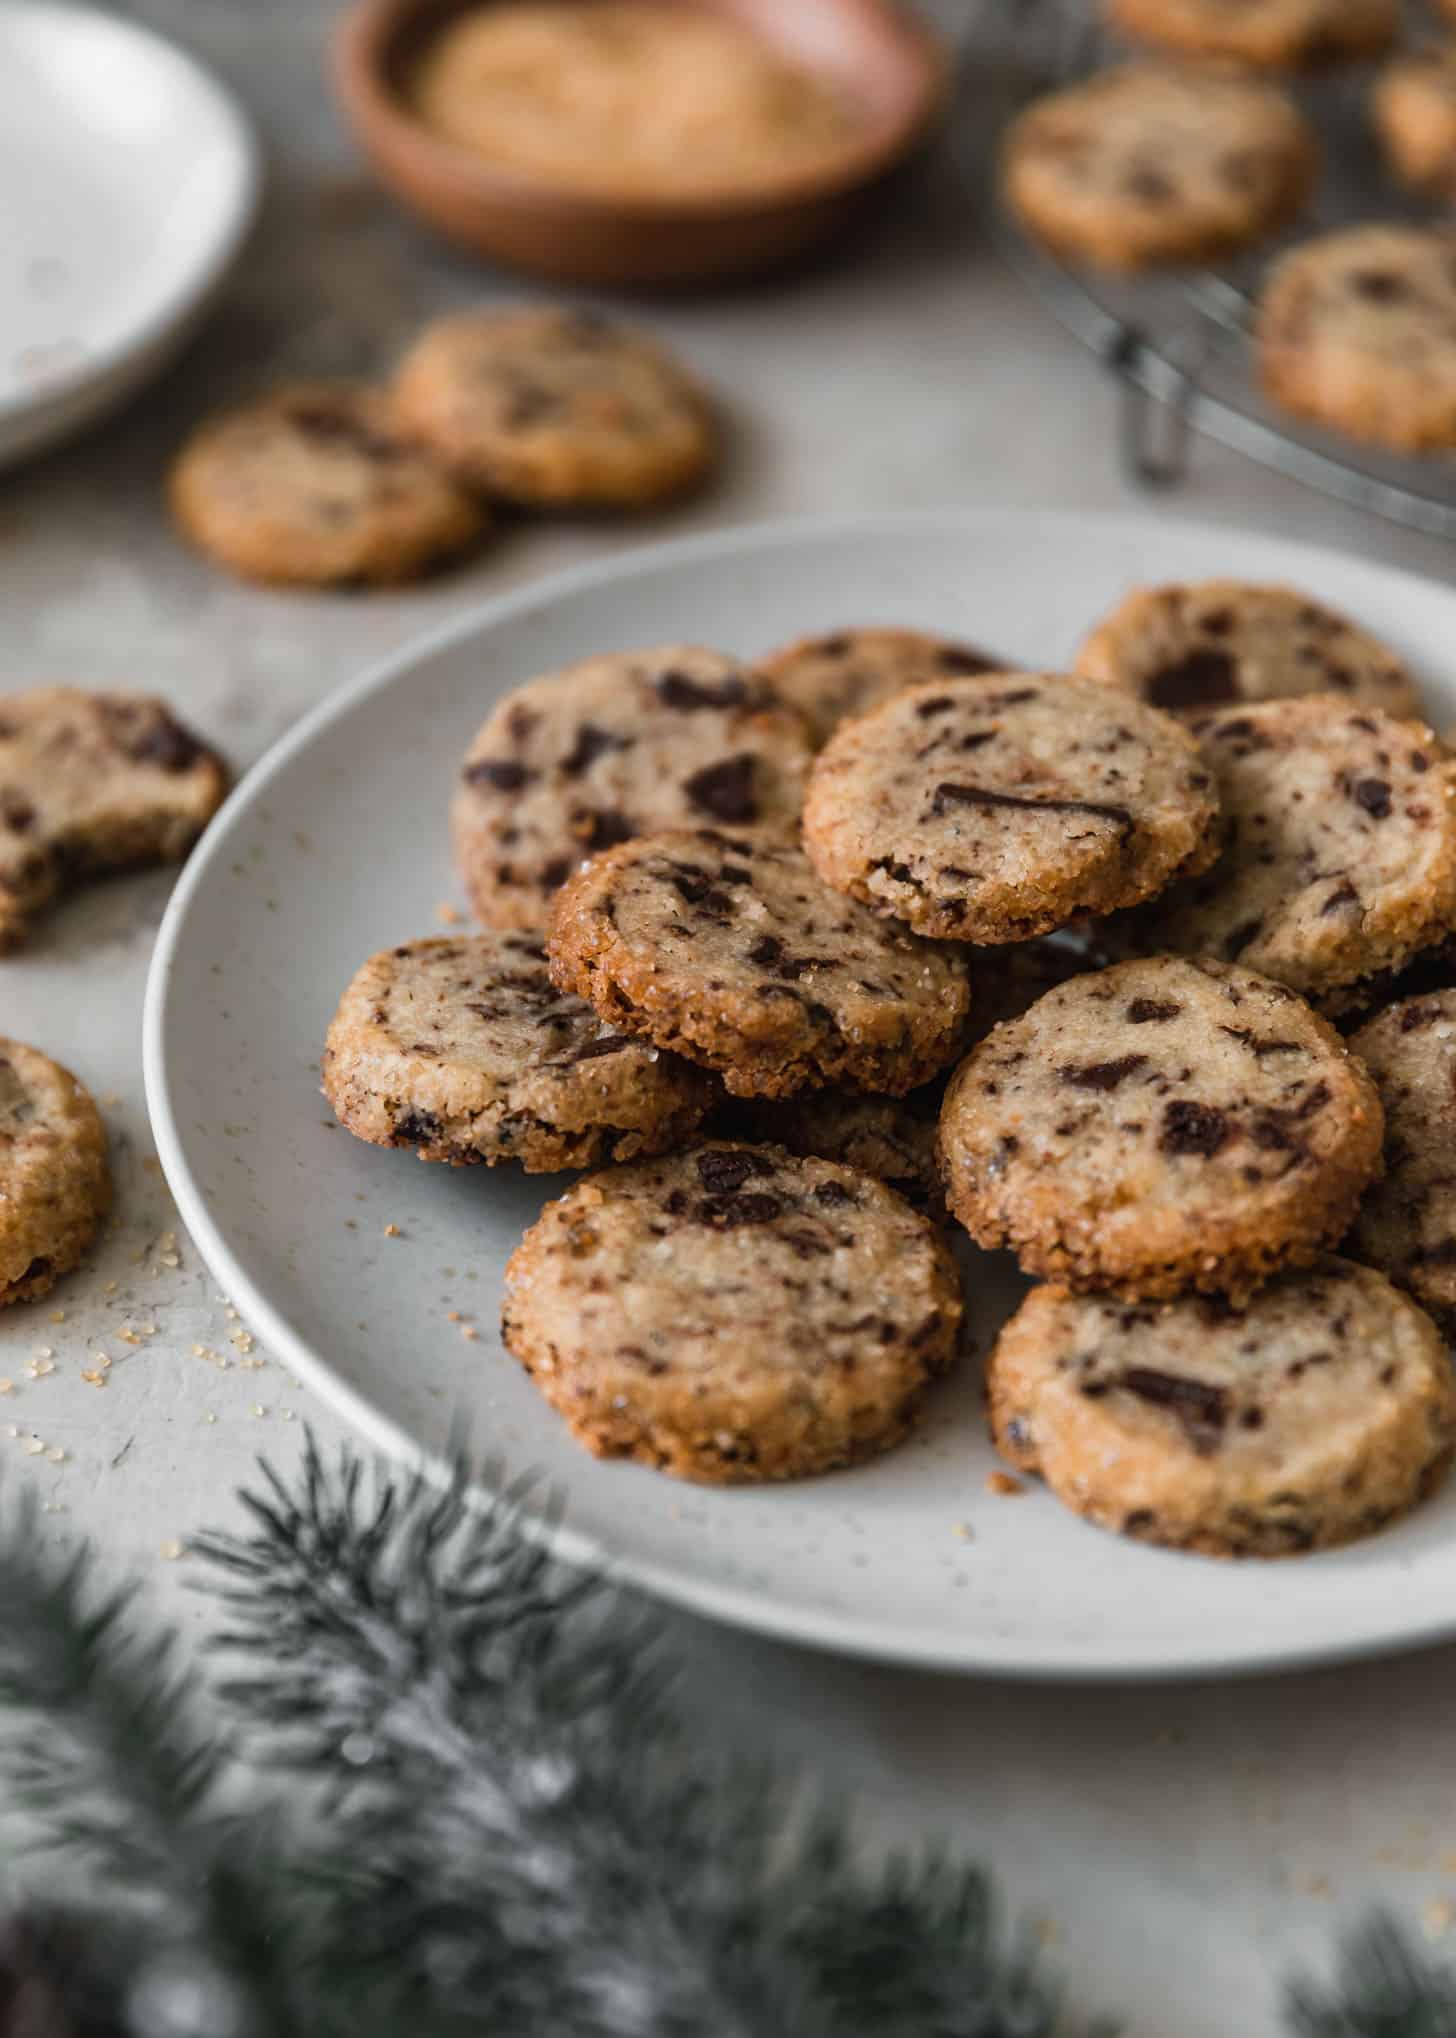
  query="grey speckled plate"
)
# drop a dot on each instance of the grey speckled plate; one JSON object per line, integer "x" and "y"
{"x": 336, "y": 845}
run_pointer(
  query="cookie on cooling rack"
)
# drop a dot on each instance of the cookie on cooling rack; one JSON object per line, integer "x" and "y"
{"x": 1147, "y": 164}
{"x": 1355, "y": 330}
{"x": 1278, "y": 34}
{"x": 1413, "y": 108}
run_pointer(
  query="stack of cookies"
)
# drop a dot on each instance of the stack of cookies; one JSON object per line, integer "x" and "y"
{"x": 1195, "y": 150}
{"x": 742, "y": 921}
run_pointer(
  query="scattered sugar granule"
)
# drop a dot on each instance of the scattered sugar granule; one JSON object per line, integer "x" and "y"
{"x": 127, "y": 1336}
{"x": 468, "y": 1331}
{"x": 1438, "y": 1917}
{"x": 7, "y": 1386}
{"x": 962, "y": 1530}
{"x": 58, "y": 1316}
{"x": 259, "y": 1409}
{"x": 171, "y": 1551}
{"x": 1004, "y": 1484}
{"x": 55, "y": 1455}
{"x": 33, "y": 1447}
{"x": 93, "y": 1377}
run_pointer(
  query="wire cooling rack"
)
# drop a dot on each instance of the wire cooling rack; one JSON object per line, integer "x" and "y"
{"x": 1179, "y": 342}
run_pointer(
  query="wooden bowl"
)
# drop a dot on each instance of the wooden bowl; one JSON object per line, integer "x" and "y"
{"x": 895, "y": 72}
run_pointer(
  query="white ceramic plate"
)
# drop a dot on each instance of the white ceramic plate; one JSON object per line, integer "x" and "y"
{"x": 132, "y": 177}
{"x": 335, "y": 846}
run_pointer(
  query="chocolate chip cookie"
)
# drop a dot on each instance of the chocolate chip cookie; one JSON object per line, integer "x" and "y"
{"x": 463, "y": 1049}
{"x": 1278, "y": 34}
{"x": 617, "y": 746}
{"x": 93, "y": 782}
{"x": 998, "y": 808}
{"x": 1317, "y": 1413}
{"x": 727, "y": 949}
{"x": 1407, "y": 1222}
{"x": 1354, "y": 330}
{"x": 55, "y": 1186}
{"x": 891, "y": 1138}
{"x": 847, "y": 672}
{"x": 1413, "y": 109}
{"x": 1160, "y": 1126}
{"x": 1147, "y": 164}
{"x": 733, "y": 1314}
{"x": 312, "y": 485}
{"x": 1208, "y": 644}
{"x": 1339, "y": 856}
{"x": 546, "y": 406}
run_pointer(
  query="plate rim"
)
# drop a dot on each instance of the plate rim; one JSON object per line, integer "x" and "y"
{"x": 828, "y": 1632}
{"x": 144, "y": 347}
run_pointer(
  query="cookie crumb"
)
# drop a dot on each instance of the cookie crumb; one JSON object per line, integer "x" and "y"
{"x": 448, "y": 915}
{"x": 1003, "y": 1484}
{"x": 962, "y": 1530}
{"x": 393, "y": 1231}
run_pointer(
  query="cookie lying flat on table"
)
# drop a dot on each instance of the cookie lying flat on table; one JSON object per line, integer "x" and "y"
{"x": 1316, "y": 1414}
{"x": 55, "y": 1186}
{"x": 1208, "y": 644}
{"x": 728, "y": 949}
{"x": 540, "y": 405}
{"x": 1160, "y": 1126}
{"x": 622, "y": 745}
{"x": 462, "y": 1048}
{"x": 1355, "y": 330}
{"x": 312, "y": 485}
{"x": 1413, "y": 108}
{"x": 733, "y": 1314}
{"x": 93, "y": 782}
{"x": 1276, "y": 33}
{"x": 848, "y": 672}
{"x": 997, "y": 808}
{"x": 1407, "y": 1222}
{"x": 1340, "y": 850}
{"x": 1148, "y": 164}
{"x": 891, "y": 1138}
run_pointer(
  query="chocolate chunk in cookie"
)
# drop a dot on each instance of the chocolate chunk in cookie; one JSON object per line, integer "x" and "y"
{"x": 93, "y": 782}
{"x": 55, "y": 1186}
{"x": 844, "y": 673}
{"x": 733, "y": 1314}
{"x": 1339, "y": 857}
{"x": 891, "y": 1138}
{"x": 1160, "y": 1126}
{"x": 622, "y": 745}
{"x": 1319, "y": 1412}
{"x": 462, "y": 1048}
{"x": 998, "y": 808}
{"x": 727, "y": 949}
{"x": 312, "y": 485}
{"x": 1196, "y": 646}
{"x": 542, "y": 405}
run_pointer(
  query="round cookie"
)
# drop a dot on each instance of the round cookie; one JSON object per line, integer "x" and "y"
{"x": 1357, "y": 330}
{"x": 622, "y": 745}
{"x": 728, "y": 949}
{"x": 1146, "y": 164}
{"x": 1318, "y": 1413}
{"x": 1207, "y": 644}
{"x": 55, "y": 1186}
{"x": 1160, "y": 1126}
{"x": 1278, "y": 34}
{"x": 1413, "y": 109}
{"x": 1407, "y": 1223}
{"x": 733, "y": 1314}
{"x": 462, "y": 1048}
{"x": 891, "y": 1138}
{"x": 540, "y": 405}
{"x": 998, "y": 808}
{"x": 311, "y": 485}
{"x": 1339, "y": 859}
{"x": 847, "y": 672}
{"x": 93, "y": 782}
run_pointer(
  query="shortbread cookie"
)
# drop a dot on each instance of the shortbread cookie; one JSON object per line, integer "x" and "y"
{"x": 733, "y": 1314}
{"x": 1318, "y": 1413}
{"x": 1206, "y": 644}
{"x": 55, "y": 1186}
{"x": 541, "y": 405}
{"x": 1160, "y": 1126}
{"x": 1008, "y": 981}
{"x": 1407, "y": 1223}
{"x": 848, "y": 672}
{"x": 1147, "y": 164}
{"x": 999, "y": 808}
{"x": 1413, "y": 107}
{"x": 1340, "y": 850}
{"x": 728, "y": 949}
{"x": 311, "y": 484}
{"x": 891, "y": 1138}
{"x": 1278, "y": 34}
{"x": 462, "y": 1048}
{"x": 1357, "y": 330}
{"x": 622, "y": 745}
{"x": 93, "y": 782}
